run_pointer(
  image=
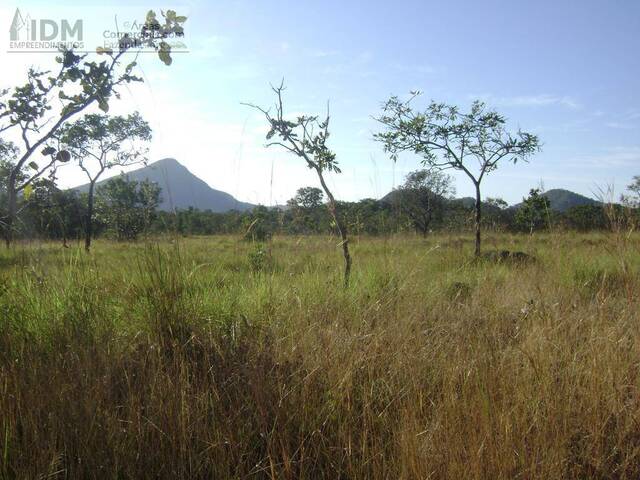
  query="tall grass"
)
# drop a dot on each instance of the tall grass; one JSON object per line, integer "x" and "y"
{"x": 219, "y": 359}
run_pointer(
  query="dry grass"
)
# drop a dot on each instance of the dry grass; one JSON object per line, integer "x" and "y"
{"x": 214, "y": 360}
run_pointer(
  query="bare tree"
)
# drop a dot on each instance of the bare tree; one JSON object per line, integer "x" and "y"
{"x": 100, "y": 142}
{"x": 448, "y": 139}
{"x": 306, "y": 137}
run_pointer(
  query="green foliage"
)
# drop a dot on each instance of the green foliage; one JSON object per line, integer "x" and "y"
{"x": 473, "y": 143}
{"x": 423, "y": 196}
{"x": 445, "y": 137}
{"x": 259, "y": 258}
{"x": 261, "y": 224}
{"x": 306, "y": 137}
{"x": 78, "y": 82}
{"x": 534, "y": 212}
{"x": 586, "y": 217}
{"x": 496, "y": 202}
{"x": 107, "y": 140}
{"x": 306, "y": 212}
{"x": 127, "y": 208}
{"x": 307, "y": 197}
{"x": 633, "y": 199}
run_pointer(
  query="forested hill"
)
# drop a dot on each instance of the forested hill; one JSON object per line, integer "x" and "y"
{"x": 561, "y": 200}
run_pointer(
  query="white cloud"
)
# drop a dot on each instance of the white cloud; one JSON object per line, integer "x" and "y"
{"x": 541, "y": 100}
{"x": 615, "y": 157}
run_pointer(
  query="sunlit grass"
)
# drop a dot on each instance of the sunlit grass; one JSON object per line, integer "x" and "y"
{"x": 219, "y": 358}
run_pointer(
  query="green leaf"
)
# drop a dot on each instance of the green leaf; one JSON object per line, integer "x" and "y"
{"x": 130, "y": 67}
{"x": 48, "y": 151}
{"x": 33, "y": 165}
{"x": 63, "y": 156}
{"x": 103, "y": 105}
{"x": 165, "y": 53}
{"x": 28, "y": 191}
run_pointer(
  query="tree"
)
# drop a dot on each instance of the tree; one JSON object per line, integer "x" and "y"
{"x": 306, "y": 137}
{"x": 634, "y": 199}
{"x": 533, "y": 214}
{"x": 448, "y": 139}
{"x": 261, "y": 223}
{"x": 127, "y": 207}
{"x": 496, "y": 202}
{"x": 586, "y": 218}
{"x": 99, "y": 143}
{"x": 308, "y": 197}
{"x": 305, "y": 209}
{"x": 39, "y": 108}
{"x": 422, "y": 197}
{"x": 51, "y": 212}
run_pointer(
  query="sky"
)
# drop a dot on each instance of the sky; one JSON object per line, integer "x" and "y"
{"x": 567, "y": 71}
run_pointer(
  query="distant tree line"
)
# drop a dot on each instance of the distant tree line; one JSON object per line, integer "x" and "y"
{"x": 424, "y": 204}
{"x": 50, "y": 118}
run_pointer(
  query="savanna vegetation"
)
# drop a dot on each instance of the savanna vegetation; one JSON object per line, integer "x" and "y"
{"x": 221, "y": 358}
{"x": 454, "y": 338}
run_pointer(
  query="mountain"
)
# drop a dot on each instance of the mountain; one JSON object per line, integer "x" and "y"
{"x": 562, "y": 200}
{"x": 181, "y": 189}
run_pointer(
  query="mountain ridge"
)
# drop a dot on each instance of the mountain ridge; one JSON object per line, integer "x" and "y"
{"x": 560, "y": 200}
{"x": 181, "y": 189}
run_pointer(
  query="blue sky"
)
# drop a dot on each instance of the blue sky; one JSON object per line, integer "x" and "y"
{"x": 567, "y": 71}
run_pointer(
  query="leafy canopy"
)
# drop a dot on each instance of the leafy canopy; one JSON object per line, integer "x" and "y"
{"x": 446, "y": 138}
{"x": 111, "y": 141}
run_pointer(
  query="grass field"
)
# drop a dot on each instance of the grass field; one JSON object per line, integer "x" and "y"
{"x": 218, "y": 358}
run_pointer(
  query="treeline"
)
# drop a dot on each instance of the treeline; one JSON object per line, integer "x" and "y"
{"x": 378, "y": 217}
{"x": 125, "y": 210}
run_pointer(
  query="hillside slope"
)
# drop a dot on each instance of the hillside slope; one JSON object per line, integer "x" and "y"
{"x": 181, "y": 189}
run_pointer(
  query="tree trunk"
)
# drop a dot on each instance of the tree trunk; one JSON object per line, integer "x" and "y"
{"x": 11, "y": 209}
{"x": 342, "y": 229}
{"x": 478, "y": 218}
{"x": 88, "y": 227}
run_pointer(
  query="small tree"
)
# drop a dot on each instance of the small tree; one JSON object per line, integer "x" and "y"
{"x": 54, "y": 213}
{"x": 533, "y": 214}
{"x": 633, "y": 200}
{"x": 446, "y": 138}
{"x": 260, "y": 224}
{"x": 306, "y": 137}
{"x": 422, "y": 197}
{"x": 127, "y": 207}
{"x": 99, "y": 143}
{"x": 496, "y": 202}
{"x": 586, "y": 217}
{"x": 39, "y": 108}
{"x": 305, "y": 209}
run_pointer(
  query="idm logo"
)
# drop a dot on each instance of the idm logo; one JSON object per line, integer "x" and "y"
{"x": 24, "y": 28}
